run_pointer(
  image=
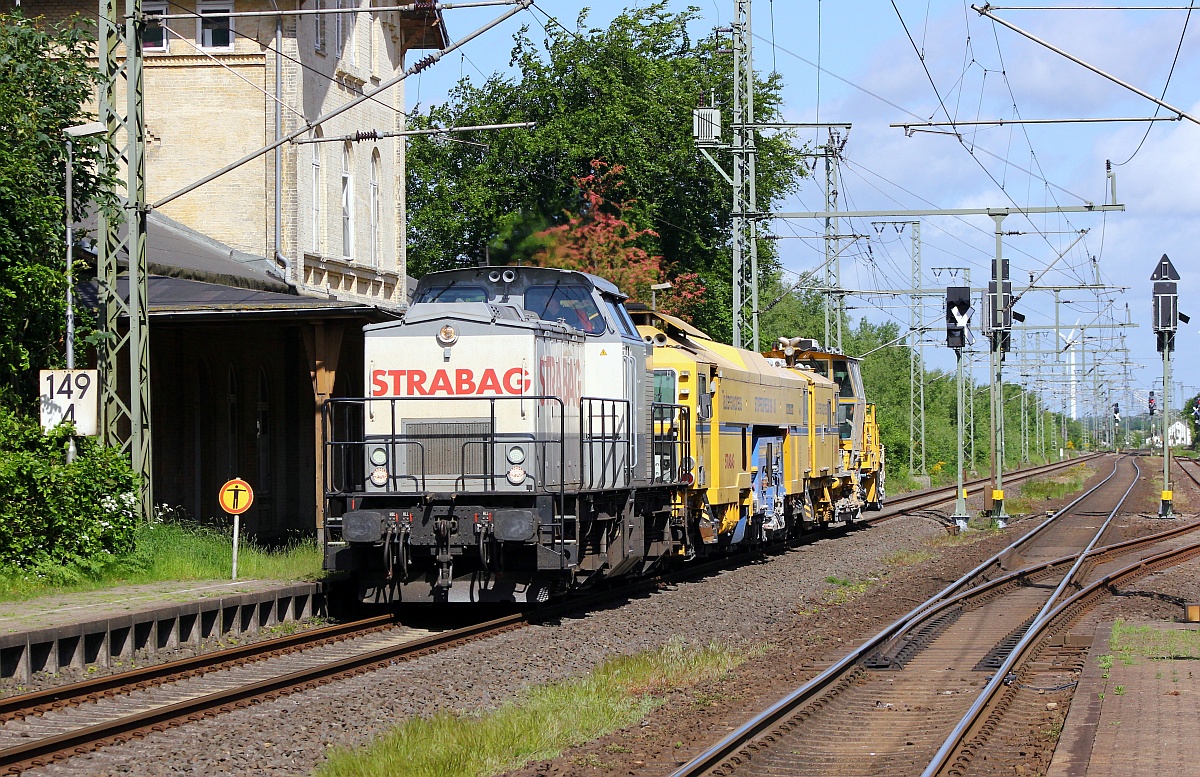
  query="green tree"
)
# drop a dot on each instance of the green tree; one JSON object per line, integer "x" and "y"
{"x": 623, "y": 94}
{"x": 599, "y": 240}
{"x": 45, "y": 80}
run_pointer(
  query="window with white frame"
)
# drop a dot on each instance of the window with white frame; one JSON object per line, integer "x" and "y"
{"x": 319, "y": 23}
{"x": 347, "y": 204}
{"x": 316, "y": 196}
{"x": 155, "y": 33}
{"x": 352, "y": 34}
{"x": 214, "y": 25}
{"x": 370, "y": 63}
{"x": 339, "y": 27}
{"x": 375, "y": 209}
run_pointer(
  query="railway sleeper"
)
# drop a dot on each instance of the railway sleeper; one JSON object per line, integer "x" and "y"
{"x": 894, "y": 655}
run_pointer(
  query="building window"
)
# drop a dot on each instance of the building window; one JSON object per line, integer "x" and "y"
{"x": 375, "y": 209}
{"x": 319, "y": 22}
{"x": 352, "y": 44}
{"x": 316, "y": 195}
{"x": 263, "y": 433}
{"x": 231, "y": 404}
{"x": 339, "y": 27}
{"x": 370, "y": 42}
{"x": 154, "y": 33}
{"x": 347, "y": 205}
{"x": 215, "y": 26}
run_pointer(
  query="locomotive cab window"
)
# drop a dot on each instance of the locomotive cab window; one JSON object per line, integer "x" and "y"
{"x": 452, "y": 292}
{"x": 664, "y": 387}
{"x": 621, "y": 317}
{"x": 573, "y": 305}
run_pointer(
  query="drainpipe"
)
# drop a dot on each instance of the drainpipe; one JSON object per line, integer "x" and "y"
{"x": 279, "y": 257}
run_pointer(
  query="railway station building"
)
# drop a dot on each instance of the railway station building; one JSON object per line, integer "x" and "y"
{"x": 262, "y": 279}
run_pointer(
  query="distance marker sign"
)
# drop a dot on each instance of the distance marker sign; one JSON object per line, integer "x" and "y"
{"x": 71, "y": 395}
{"x": 236, "y": 496}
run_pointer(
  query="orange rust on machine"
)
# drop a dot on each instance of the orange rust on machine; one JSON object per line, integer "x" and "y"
{"x": 236, "y": 496}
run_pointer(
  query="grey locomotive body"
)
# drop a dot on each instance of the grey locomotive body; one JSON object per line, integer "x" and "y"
{"x": 509, "y": 448}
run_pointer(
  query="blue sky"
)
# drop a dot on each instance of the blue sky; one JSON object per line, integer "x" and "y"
{"x": 981, "y": 70}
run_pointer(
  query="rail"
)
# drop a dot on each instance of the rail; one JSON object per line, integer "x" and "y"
{"x": 766, "y": 720}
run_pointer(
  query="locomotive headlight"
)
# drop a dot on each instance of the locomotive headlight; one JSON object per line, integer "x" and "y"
{"x": 379, "y": 476}
{"x": 379, "y": 457}
{"x": 516, "y": 455}
{"x": 447, "y": 335}
{"x": 516, "y": 474}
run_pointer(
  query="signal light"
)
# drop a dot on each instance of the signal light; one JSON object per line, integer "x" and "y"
{"x": 958, "y": 316}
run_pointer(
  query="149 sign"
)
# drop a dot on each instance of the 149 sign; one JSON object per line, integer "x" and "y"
{"x": 70, "y": 395}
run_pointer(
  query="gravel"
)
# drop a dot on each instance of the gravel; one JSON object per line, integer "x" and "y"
{"x": 750, "y": 605}
{"x": 783, "y": 601}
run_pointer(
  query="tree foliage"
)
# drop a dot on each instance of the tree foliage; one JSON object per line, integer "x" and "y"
{"x": 598, "y": 239}
{"x": 45, "y": 80}
{"x": 622, "y": 94}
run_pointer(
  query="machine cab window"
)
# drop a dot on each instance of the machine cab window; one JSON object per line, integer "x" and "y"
{"x": 842, "y": 376}
{"x": 573, "y": 305}
{"x": 664, "y": 387}
{"x": 819, "y": 366}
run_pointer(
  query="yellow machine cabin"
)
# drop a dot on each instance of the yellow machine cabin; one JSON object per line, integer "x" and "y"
{"x": 764, "y": 438}
{"x": 861, "y": 449}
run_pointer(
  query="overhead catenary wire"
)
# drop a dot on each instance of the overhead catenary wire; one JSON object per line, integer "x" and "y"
{"x": 387, "y": 84}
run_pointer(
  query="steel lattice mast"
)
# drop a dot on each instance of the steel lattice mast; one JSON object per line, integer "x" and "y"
{"x": 745, "y": 196}
{"x": 123, "y": 230}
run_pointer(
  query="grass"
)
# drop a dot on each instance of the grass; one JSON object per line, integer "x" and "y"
{"x": 1048, "y": 488}
{"x": 538, "y": 725}
{"x": 166, "y": 552}
{"x": 909, "y": 557}
{"x": 1131, "y": 642}
{"x": 845, "y": 589}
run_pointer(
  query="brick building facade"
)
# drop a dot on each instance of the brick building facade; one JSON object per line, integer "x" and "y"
{"x": 241, "y": 362}
{"x": 219, "y": 86}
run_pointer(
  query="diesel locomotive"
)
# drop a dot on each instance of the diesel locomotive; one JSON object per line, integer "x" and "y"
{"x": 524, "y": 437}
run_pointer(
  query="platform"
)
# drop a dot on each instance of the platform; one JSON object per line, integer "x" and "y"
{"x": 1140, "y": 721}
{"x": 48, "y": 633}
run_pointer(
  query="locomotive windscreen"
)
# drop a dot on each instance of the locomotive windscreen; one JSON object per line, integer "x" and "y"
{"x": 453, "y": 292}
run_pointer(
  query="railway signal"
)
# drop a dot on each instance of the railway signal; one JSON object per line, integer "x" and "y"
{"x": 958, "y": 317}
{"x": 958, "y": 336}
{"x": 1153, "y": 404}
{"x": 1166, "y": 322}
{"x": 1117, "y": 412}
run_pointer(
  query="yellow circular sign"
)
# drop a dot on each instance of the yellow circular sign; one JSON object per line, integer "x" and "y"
{"x": 236, "y": 496}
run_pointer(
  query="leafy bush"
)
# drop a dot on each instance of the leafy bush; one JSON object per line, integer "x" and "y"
{"x": 53, "y": 512}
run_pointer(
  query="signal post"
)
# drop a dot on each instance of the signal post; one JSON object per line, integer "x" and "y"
{"x": 1166, "y": 322}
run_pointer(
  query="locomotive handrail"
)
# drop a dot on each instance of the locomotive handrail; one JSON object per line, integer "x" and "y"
{"x": 335, "y": 487}
{"x": 607, "y": 440}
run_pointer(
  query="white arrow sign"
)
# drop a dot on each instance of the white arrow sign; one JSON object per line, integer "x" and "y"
{"x": 964, "y": 320}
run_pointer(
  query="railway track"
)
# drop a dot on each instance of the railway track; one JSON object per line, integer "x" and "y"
{"x": 930, "y": 497}
{"x": 924, "y": 695}
{"x": 40, "y": 727}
